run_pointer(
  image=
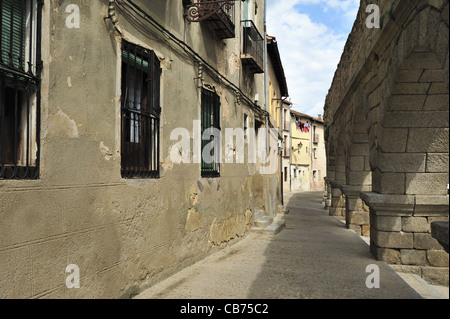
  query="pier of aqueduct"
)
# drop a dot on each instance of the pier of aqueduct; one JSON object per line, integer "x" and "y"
{"x": 387, "y": 117}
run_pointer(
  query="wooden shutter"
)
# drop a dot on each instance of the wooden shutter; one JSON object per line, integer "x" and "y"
{"x": 156, "y": 84}
{"x": 13, "y": 33}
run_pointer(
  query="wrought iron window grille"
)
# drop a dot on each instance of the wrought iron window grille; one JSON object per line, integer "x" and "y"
{"x": 210, "y": 118}
{"x": 140, "y": 141}
{"x": 20, "y": 80}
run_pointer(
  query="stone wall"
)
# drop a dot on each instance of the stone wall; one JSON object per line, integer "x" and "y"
{"x": 388, "y": 140}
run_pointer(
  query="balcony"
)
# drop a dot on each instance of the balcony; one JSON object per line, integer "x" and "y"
{"x": 218, "y": 14}
{"x": 253, "y": 47}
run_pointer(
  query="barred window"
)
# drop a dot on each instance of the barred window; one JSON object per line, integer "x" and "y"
{"x": 20, "y": 68}
{"x": 210, "y": 120}
{"x": 141, "y": 73}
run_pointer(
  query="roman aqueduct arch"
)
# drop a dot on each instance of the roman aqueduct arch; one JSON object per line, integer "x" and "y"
{"x": 388, "y": 134}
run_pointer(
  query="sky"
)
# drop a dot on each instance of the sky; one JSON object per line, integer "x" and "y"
{"x": 311, "y": 35}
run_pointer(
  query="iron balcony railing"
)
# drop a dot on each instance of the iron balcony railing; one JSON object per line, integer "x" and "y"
{"x": 253, "y": 47}
{"x": 218, "y": 14}
{"x": 223, "y": 21}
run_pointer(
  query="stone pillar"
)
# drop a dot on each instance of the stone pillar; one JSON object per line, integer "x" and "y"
{"x": 356, "y": 211}
{"x": 327, "y": 193}
{"x": 337, "y": 208}
{"x": 400, "y": 233}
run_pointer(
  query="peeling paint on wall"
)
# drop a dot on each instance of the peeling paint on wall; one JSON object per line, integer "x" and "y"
{"x": 167, "y": 165}
{"x": 193, "y": 220}
{"x": 236, "y": 226}
{"x": 225, "y": 106}
{"x": 60, "y": 125}
{"x": 107, "y": 154}
{"x": 233, "y": 63}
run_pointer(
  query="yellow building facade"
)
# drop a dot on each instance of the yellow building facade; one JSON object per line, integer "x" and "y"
{"x": 277, "y": 92}
{"x": 308, "y": 156}
{"x": 300, "y": 151}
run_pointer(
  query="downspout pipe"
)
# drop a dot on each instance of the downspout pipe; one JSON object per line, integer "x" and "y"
{"x": 282, "y": 152}
{"x": 266, "y": 93}
{"x": 266, "y": 88}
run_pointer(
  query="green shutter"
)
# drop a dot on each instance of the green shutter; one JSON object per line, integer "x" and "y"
{"x": 205, "y": 124}
{"x": 13, "y": 32}
{"x": 135, "y": 61}
{"x": 210, "y": 117}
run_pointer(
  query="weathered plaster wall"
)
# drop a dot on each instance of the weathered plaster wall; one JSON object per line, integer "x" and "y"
{"x": 388, "y": 141}
{"x": 319, "y": 161}
{"x": 121, "y": 232}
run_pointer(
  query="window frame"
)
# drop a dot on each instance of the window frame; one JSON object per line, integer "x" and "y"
{"x": 141, "y": 113}
{"x": 210, "y": 118}
{"x": 20, "y": 158}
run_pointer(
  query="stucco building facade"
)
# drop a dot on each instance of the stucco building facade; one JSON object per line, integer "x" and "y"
{"x": 318, "y": 155}
{"x": 300, "y": 151}
{"x": 308, "y": 155}
{"x": 277, "y": 95}
{"x": 287, "y": 148}
{"x": 101, "y": 157}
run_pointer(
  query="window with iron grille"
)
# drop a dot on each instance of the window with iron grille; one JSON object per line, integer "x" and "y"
{"x": 20, "y": 68}
{"x": 210, "y": 120}
{"x": 141, "y": 73}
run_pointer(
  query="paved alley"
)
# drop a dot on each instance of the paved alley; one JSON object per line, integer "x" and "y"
{"x": 314, "y": 257}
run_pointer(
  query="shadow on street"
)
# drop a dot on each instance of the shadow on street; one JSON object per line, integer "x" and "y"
{"x": 317, "y": 257}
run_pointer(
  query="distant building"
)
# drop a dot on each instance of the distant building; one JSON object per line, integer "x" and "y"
{"x": 318, "y": 154}
{"x": 286, "y": 132}
{"x": 278, "y": 115}
{"x": 308, "y": 156}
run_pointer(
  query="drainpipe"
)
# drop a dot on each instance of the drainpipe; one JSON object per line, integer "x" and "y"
{"x": 266, "y": 88}
{"x": 311, "y": 176}
{"x": 282, "y": 151}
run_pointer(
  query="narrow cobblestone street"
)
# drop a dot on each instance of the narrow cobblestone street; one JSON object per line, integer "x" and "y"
{"x": 315, "y": 257}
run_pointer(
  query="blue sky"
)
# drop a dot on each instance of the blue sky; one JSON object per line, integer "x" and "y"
{"x": 320, "y": 13}
{"x": 311, "y": 35}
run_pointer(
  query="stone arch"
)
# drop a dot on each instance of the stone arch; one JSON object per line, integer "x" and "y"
{"x": 337, "y": 208}
{"x": 358, "y": 169}
{"x": 403, "y": 81}
{"x": 331, "y": 161}
{"x": 358, "y": 172}
{"x": 411, "y": 172}
{"x": 331, "y": 172}
{"x": 414, "y": 141}
{"x": 413, "y": 82}
{"x": 341, "y": 153}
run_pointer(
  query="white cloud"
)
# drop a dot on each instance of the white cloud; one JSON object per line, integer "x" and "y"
{"x": 310, "y": 50}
